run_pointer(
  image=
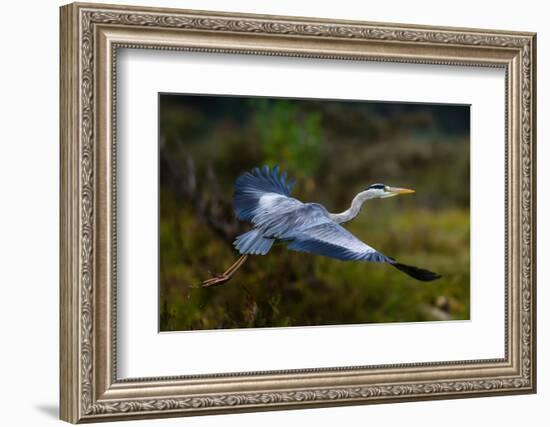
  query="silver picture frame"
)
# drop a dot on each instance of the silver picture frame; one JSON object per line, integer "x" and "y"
{"x": 90, "y": 37}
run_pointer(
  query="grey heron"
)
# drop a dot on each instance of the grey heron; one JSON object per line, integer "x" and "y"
{"x": 263, "y": 198}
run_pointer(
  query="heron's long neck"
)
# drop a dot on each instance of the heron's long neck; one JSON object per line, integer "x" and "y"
{"x": 353, "y": 210}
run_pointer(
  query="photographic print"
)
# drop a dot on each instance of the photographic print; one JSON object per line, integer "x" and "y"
{"x": 354, "y": 234}
{"x": 280, "y": 212}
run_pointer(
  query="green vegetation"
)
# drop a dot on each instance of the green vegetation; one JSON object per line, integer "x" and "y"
{"x": 333, "y": 150}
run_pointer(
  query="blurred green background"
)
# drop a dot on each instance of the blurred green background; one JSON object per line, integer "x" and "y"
{"x": 333, "y": 149}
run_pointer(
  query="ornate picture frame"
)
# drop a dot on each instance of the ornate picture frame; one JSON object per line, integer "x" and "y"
{"x": 90, "y": 37}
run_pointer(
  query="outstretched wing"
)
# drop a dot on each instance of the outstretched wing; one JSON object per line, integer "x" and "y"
{"x": 256, "y": 188}
{"x": 333, "y": 240}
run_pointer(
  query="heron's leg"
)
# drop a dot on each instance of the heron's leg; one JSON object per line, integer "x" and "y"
{"x": 226, "y": 275}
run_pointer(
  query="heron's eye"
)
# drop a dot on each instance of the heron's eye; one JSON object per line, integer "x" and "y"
{"x": 376, "y": 187}
{"x": 386, "y": 188}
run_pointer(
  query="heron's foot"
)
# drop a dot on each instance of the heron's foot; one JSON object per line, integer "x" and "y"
{"x": 220, "y": 279}
{"x": 216, "y": 280}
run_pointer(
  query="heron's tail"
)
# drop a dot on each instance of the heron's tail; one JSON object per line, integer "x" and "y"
{"x": 253, "y": 243}
{"x": 251, "y": 186}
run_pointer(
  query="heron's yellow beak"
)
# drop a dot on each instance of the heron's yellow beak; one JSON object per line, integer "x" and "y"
{"x": 396, "y": 191}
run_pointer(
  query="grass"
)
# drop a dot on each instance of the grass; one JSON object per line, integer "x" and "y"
{"x": 286, "y": 288}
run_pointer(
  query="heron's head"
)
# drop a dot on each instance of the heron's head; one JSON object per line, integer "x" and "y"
{"x": 382, "y": 191}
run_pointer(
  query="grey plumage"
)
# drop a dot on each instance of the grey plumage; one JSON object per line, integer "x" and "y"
{"x": 263, "y": 198}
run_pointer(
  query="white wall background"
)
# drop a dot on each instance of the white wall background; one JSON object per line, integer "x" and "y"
{"x": 29, "y": 171}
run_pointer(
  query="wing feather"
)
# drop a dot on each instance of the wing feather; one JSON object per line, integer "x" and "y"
{"x": 252, "y": 186}
{"x": 333, "y": 240}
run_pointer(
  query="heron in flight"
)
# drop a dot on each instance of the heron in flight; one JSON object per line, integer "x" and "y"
{"x": 262, "y": 197}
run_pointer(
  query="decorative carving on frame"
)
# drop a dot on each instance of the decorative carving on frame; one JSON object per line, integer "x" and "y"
{"x": 91, "y": 17}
